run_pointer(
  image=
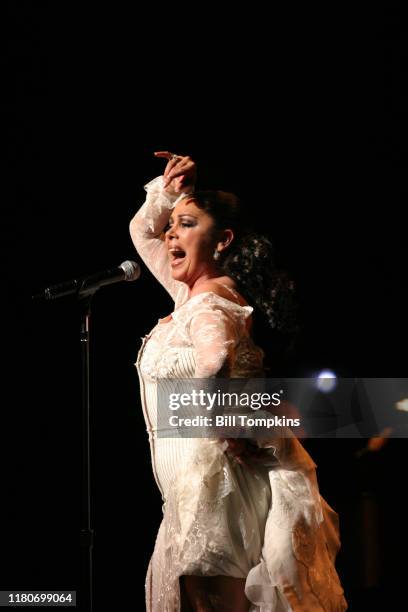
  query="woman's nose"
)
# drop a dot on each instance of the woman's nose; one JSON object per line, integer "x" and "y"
{"x": 171, "y": 232}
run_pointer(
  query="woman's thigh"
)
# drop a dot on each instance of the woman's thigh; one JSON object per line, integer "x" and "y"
{"x": 213, "y": 594}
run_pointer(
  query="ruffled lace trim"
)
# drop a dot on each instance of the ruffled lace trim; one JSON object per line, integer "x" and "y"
{"x": 211, "y": 300}
{"x": 295, "y": 571}
{"x": 175, "y": 345}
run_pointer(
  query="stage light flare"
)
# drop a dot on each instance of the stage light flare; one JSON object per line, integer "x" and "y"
{"x": 402, "y": 405}
{"x": 326, "y": 381}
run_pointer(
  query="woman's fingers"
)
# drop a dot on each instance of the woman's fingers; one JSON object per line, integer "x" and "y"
{"x": 178, "y": 183}
{"x": 180, "y": 166}
{"x": 185, "y": 167}
{"x": 163, "y": 154}
{"x": 246, "y": 454}
{"x": 177, "y": 167}
{"x": 246, "y": 464}
{"x": 236, "y": 445}
{"x": 172, "y": 161}
{"x": 238, "y": 449}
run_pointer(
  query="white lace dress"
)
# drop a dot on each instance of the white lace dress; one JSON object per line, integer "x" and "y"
{"x": 270, "y": 527}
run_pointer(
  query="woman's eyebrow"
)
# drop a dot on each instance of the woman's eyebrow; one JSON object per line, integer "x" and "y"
{"x": 183, "y": 215}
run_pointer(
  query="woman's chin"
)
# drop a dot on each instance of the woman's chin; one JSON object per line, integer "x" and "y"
{"x": 178, "y": 271}
{"x": 178, "y": 275}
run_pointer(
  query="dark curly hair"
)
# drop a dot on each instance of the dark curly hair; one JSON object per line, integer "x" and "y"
{"x": 250, "y": 261}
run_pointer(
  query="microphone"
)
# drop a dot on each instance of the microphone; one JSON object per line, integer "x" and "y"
{"x": 127, "y": 271}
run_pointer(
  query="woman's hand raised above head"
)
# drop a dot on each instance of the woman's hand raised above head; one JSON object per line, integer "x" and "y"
{"x": 180, "y": 173}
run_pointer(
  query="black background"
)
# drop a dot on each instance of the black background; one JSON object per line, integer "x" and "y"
{"x": 303, "y": 115}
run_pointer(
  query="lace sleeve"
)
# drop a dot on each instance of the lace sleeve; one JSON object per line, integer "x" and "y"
{"x": 214, "y": 337}
{"x": 146, "y": 228}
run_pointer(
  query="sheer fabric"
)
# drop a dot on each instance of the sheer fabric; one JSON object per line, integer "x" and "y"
{"x": 270, "y": 527}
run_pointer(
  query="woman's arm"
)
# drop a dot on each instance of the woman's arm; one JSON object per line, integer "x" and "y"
{"x": 215, "y": 335}
{"x": 146, "y": 227}
{"x": 214, "y": 339}
{"x": 146, "y": 230}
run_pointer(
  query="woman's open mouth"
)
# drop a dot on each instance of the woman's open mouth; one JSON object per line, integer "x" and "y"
{"x": 176, "y": 256}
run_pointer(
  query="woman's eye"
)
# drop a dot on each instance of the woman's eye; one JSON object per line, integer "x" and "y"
{"x": 170, "y": 225}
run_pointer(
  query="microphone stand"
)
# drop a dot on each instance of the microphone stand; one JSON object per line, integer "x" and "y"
{"x": 84, "y": 289}
{"x": 87, "y": 533}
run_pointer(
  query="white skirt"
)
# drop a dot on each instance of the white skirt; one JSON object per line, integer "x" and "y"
{"x": 270, "y": 527}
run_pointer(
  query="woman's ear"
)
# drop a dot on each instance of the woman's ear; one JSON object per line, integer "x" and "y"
{"x": 227, "y": 236}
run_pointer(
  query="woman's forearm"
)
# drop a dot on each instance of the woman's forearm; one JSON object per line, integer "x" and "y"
{"x": 146, "y": 229}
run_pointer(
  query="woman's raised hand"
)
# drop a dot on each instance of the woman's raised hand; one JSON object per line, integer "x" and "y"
{"x": 180, "y": 173}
